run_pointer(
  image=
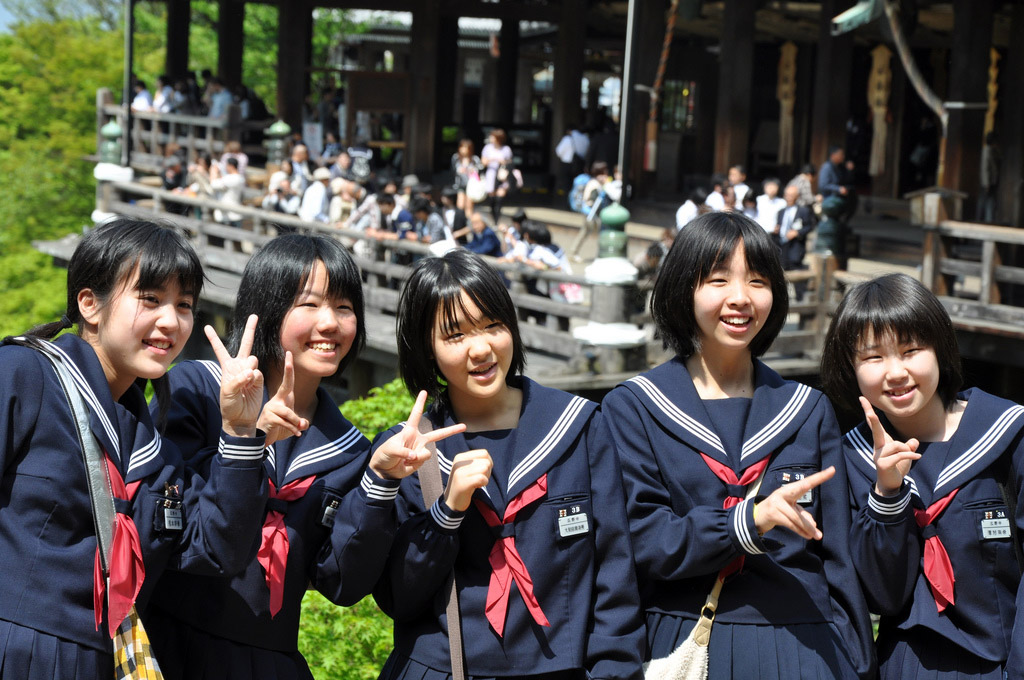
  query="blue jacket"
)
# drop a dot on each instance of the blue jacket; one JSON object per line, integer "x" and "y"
{"x": 339, "y": 532}
{"x": 682, "y": 536}
{"x": 485, "y": 243}
{"x": 47, "y": 537}
{"x": 583, "y": 581}
{"x": 985, "y": 451}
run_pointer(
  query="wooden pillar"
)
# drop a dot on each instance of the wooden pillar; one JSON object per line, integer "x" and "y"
{"x": 294, "y": 47}
{"x": 735, "y": 81}
{"x": 887, "y": 184}
{"x": 447, "y": 63}
{"x": 424, "y": 73}
{"x": 230, "y": 39}
{"x": 567, "y": 91}
{"x": 508, "y": 62}
{"x": 1011, "y": 132}
{"x": 524, "y": 93}
{"x": 179, "y": 18}
{"x": 831, "y": 84}
{"x": 649, "y": 22}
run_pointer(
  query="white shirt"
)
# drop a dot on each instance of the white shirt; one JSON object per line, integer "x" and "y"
{"x": 687, "y": 213}
{"x": 163, "y": 102}
{"x": 315, "y": 203}
{"x": 219, "y": 103}
{"x": 741, "y": 190}
{"x": 230, "y": 186}
{"x": 789, "y": 221}
{"x": 768, "y": 211}
{"x": 143, "y": 101}
{"x": 573, "y": 143}
{"x": 715, "y": 201}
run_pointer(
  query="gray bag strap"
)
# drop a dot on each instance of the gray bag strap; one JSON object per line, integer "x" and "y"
{"x": 95, "y": 466}
{"x": 430, "y": 484}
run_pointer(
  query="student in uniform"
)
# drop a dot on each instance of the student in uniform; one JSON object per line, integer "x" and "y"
{"x": 131, "y": 289}
{"x": 696, "y": 433}
{"x": 330, "y": 518}
{"x": 532, "y": 498}
{"x": 935, "y": 477}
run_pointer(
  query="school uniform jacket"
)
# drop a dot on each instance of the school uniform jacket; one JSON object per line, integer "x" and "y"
{"x": 583, "y": 581}
{"x": 986, "y": 450}
{"x": 339, "y": 531}
{"x": 47, "y": 536}
{"x": 682, "y": 536}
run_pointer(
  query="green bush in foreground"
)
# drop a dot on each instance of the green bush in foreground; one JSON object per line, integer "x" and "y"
{"x": 353, "y": 643}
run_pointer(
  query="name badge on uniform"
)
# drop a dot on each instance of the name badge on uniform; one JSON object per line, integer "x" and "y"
{"x": 572, "y": 521}
{"x": 170, "y": 504}
{"x": 330, "y": 510}
{"x": 788, "y": 477}
{"x": 995, "y": 524}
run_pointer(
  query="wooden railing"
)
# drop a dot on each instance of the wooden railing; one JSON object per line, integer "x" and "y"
{"x": 152, "y": 131}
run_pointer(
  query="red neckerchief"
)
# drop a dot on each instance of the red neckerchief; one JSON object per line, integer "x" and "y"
{"x": 937, "y": 567}
{"x": 506, "y": 564}
{"x": 273, "y": 552}
{"x": 127, "y": 570}
{"x": 736, "y": 487}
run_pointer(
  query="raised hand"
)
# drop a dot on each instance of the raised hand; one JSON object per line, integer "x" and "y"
{"x": 278, "y": 417}
{"x": 405, "y": 451}
{"x": 470, "y": 471}
{"x": 241, "y": 383}
{"x": 780, "y": 509}
{"x": 892, "y": 458}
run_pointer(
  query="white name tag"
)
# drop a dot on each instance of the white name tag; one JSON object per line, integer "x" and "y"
{"x": 573, "y": 525}
{"x": 172, "y": 519}
{"x": 808, "y": 496}
{"x": 995, "y": 528}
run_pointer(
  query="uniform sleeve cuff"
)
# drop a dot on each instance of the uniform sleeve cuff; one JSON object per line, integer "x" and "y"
{"x": 743, "y": 530}
{"x": 242, "y": 448}
{"x": 889, "y": 508}
{"x": 447, "y": 519}
{"x": 377, "y": 488}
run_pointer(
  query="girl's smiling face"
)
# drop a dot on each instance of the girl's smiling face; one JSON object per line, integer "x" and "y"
{"x": 318, "y": 330}
{"x": 732, "y": 304}
{"x": 137, "y": 333}
{"x": 474, "y": 355}
{"x": 899, "y": 378}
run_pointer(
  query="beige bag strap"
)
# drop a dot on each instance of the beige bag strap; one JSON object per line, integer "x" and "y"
{"x": 702, "y": 631}
{"x": 430, "y": 484}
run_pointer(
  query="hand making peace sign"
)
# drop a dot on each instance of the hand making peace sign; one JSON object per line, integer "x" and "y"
{"x": 780, "y": 509}
{"x": 241, "y": 383}
{"x": 405, "y": 451}
{"x": 892, "y": 458}
{"x": 278, "y": 417}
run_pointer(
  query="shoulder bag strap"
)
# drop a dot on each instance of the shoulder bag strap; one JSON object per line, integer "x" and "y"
{"x": 1011, "y": 510}
{"x": 430, "y": 484}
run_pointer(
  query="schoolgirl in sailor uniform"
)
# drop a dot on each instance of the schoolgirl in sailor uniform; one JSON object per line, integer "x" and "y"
{"x": 131, "y": 290}
{"x": 532, "y": 498}
{"x": 935, "y": 481}
{"x": 694, "y": 433}
{"x": 330, "y": 517}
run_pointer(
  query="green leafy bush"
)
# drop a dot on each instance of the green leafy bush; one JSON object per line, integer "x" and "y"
{"x": 385, "y": 406}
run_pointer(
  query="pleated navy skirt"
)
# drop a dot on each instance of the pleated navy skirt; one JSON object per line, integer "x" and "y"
{"x": 187, "y": 653}
{"x": 401, "y": 667}
{"x": 922, "y": 655}
{"x": 28, "y": 654}
{"x": 808, "y": 651}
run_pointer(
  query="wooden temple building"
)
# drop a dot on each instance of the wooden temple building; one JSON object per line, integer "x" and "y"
{"x": 762, "y": 83}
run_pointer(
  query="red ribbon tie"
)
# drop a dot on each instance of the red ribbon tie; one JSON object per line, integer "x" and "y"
{"x": 725, "y": 473}
{"x": 937, "y": 567}
{"x": 506, "y": 564}
{"x": 273, "y": 552}
{"x": 127, "y": 570}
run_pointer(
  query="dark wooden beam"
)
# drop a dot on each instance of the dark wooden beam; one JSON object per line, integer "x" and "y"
{"x": 649, "y": 21}
{"x": 508, "y": 62}
{"x": 831, "y": 104}
{"x": 1011, "y": 131}
{"x": 294, "y": 47}
{"x": 230, "y": 40}
{"x": 567, "y": 86}
{"x": 179, "y": 19}
{"x": 735, "y": 80}
{"x": 968, "y": 82}
{"x": 426, "y": 24}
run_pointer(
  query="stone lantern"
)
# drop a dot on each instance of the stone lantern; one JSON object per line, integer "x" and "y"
{"x": 110, "y": 149}
{"x": 277, "y": 141}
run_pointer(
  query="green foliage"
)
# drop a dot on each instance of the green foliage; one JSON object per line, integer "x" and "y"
{"x": 385, "y": 406}
{"x": 343, "y": 643}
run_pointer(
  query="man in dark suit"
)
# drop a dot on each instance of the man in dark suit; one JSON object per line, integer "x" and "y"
{"x": 792, "y": 226}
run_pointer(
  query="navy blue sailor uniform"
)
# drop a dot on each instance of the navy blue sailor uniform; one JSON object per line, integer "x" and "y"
{"x": 48, "y": 623}
{"x": 328, "y": 524}
{"x": 542, "y": 559}
{"x": 974, "y": 630}
{"x": 796, "y": 609}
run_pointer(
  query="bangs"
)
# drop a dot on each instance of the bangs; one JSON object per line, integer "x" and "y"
{"x": 166, "y": 258}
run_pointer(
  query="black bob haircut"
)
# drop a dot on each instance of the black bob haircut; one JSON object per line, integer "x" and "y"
{"x": 276, "y": 275}
{"x": 703, "y": 246}
{"x": 434, "y": 292}
{"x": 896, "y": 305}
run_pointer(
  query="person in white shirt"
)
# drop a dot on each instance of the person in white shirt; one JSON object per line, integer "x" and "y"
{"x": 316, "y": 201}
{"x": 571, "y": 151}
{"x": 769, "y": 204}
{"x": 143, "y": 100}
{"x": 689, "y": 210}
{"x": 220, "y": 98}
{"x": 163, "y": 101}
{"x": 229, "y": 186}
{"x": 738, "y": 180}
{"x": 716, "y": 198}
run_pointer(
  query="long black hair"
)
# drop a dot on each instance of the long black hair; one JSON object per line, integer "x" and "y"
{"x": 276, "y": 275}
{"x": 433, "y": 293}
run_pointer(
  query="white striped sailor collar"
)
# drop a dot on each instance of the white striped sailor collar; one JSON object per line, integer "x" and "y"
{"x": 778, "y": 409}
{"x": 329, "y": 443}
{"x": 549, "y": 421}
{"x": 125, "y": 430}
{"x": 987, "y": 426}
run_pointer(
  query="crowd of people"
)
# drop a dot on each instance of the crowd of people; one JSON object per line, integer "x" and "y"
{"x": 568, "y": 537}
{"x": 186, "y": 96}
